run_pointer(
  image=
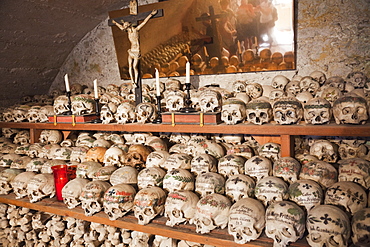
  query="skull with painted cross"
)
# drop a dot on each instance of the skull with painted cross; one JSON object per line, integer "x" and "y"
{"x": 208, "y": 183}
{"x": 118, "y": 200}
{"x": 361, "y": 228}
{"x": 230, "y": 164}
{"x": 239, "y": 186}
{"x": 202, "y": 163}
{"x": 258, "y": 167}
{"x": 91, "y": 196}
{"x": 356, "y": 170}
{"x": 306, "y": 193}
{"x": 271, "y": 189}
{"x": 271, "y": 151}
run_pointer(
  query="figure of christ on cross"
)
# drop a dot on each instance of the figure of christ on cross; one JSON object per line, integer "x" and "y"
{"x": 134, "y": 52}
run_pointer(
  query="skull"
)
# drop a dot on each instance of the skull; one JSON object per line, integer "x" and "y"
{"x": 157, "y": 158}
{"x": 20, "y": 163}
{"x": 72, "y": 190}
{"x": 356, "y": 170}
{"x": 276, "y": 94}
{"x": 233, "y": 111}
{"x": 350, "y": 109}
{"x": 331, "y": 94}
{"x": 82, "y": 104}
{"x": 148, "y": 203}
{"x": 258, "y": 111}
{"x": 208, "y": 183}
{"x": 239, "y": 86}
{"x": 317, "y": 111}
{"x": 7, "y": 160}
{"x": 96, "y": 154}
{"x": 40, "y": 186}
{"x": 175, "y": 100}
{"x": 180, "y": 207}
{"x": 210, "y": 101}
{"x": 150, "y": 176}
{"x": 6, "y": 178}
{"x": 287, "y": 110}
{"x": 319, "y": 171}
{"x": 51, "y": 136}
{"x": 285, "y": 223}
{"x": 125, "y": 174}
{"x": 103, "y": 173}
{"x": 357, "y": 78}
{"x": 279, "y": 82}
{"x": 271, "y": 189}
{"x": 254, "y": 90}
{"x": 348, "y": 195}
{"x": 22, "y": 137}
{"x": 336, "y": 81}
{"x": 318, "y": 76}
{"x": 292, "y": 88}
{"x": 33, "y": 114}
{"x": 126, "y": 88}
{"x": 78, "y": 154}
{"x": 212, "y": 211}
{"x": 287, "y": 168}
{"x": 178, "y": 179}
{"x": 348, "y": 150}
{"x": 62, "y": 153}
{"x": 20, "y": 112}
{"x": 178, "y": 160}
{"x": 239, "y": 186}
{"x": 306, "y": 193}
{"x": 325, "y": 150}
{"x": 360, "y": 228}
{"x": 36, "y": 164}
{"x": 229, "y": 165}
{"x": 246, "y": 220}
{"x": 140, "y": 239}
{"x": 322, "y": 218}
{"x": 203, "y": 163}
{"x": 146, "y": 113}
{"x": 91, "y": 196}
{"x": 76, "y": 88}
{"x": 107, "y": 113}
{"x": 85, "y": 140}
{"x": 114, "y": 156}
{"x": 125, "y": 113}
{"x": 9, "y": 132}
{"x": 61, "y": 105}
{"x": 137, "y": 155}
{"x": 86, "y": 169}
{"x": 308, "y": 84}
{"x": 271, "y": 151}
{"x": 258, "y": 167}
{"x": 118, "y": 200}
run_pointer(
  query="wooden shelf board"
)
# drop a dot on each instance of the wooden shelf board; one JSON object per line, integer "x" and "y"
{"x": 157, "y": 226}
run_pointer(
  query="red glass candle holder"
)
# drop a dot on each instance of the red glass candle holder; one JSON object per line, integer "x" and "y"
{"x": 60, "y": 179}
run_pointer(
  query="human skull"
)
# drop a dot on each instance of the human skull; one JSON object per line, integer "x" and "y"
{"x": 292, "y": 88}
{"x": 125, "y": 113}
{"x": 308, "y": 84}
{"x": 140, "y": 239}
{"x": 239, "y": 186}
{"x": 118, "y": 200}
{"x": 356, "y": 170}
{"x": 114, "y": 156}
{"x": 103, "y": 173}
{"x": 82, "y": 104}
{"x": 325, "y": 150}
{"x": 246, "y": 220}
{"x": 271, "y": 189}
{"x": 32, "y": 115}
{"x": 285, "y": 223}
{"x": 36, "y": 164}
{"x": 21, "y": 163}
{"x": 258, "y": 111}
{"x": 148, "y": 203}
{"x": 61, "y": 105}
{"x": 125, "y": 174}
{"x": 287, "y": 110}
{"x": 238, "y": 86}
{"x": 40, "y": 186}
{"x": 230, "y": 164}
{"x": 348, "y": 150}
{"x": 258, "y": 167}
{"x": 86, "y": 169}
{"x": 318, "y": 76}
{"x": 178, "y": 160}
{"x": 6, "y": 160}
{"x": 72, "y": 190}
{"x": 175, "y": 100}
{"x": 350, "y": 109}
{"x": 107, "y": 113}
{"x": 254, "y": 90}
{"x": 331, "y": 94}
{"x": 91, "y": 196}
{"x": 279, "y": 82}
{"x": 208, "y": 183}
{"x": 78, "y": 154}
{"x": 76, "y": 88}
{"x": 271, "y": 151}
{"x": 287, "y": 168}
{"x": 19, "y": 113}
{"x": 336, "y": 81}
{"x": 137, "y": 155}
{"x": 324, "y": 217}
{"x": 233, "y": 111}
{"x": 348, "y": 195}
{"x": 150, "y": 176}
{"x": 357, "y": 78}
{"x": 319, "y": 171}
{"x": 22, "y": 137}
{"x": 178, "y": 179}
{"x": 157, "y": 159}
{"x": 50, "y": 136}
{"x": 180, "y": 207}
{"x": 210, "y": 101}
{"x": 146, "y": 112}
{"x": 276, "y": 94}
{"x": 9, "y": 132}
{"x": 6, "y": 178}
{"x": 317, "y": 111}
{"x": 84, "y": 139}
{"x": 202, "y": 163}
{"x": 306, "y": 193}
{"x": 360, "y": 228}
{"x": 96, "y": 154}
{"x": 212, "y": 212}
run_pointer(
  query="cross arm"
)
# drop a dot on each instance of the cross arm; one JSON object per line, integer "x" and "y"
{"x": 134, "y": 19}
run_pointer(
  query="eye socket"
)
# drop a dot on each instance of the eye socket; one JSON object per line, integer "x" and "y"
{"x": 346, "y": 110}
{"x": 315, "y": 237}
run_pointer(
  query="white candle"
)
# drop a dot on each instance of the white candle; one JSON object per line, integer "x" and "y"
{"x": 67, "y": 83}
{"x": 187, "y": 78}
{"x": 96, "y": 89}
{"x": 157, "y": 82}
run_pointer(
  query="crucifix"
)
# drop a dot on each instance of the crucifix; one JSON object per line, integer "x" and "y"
{"x": 131, "y": 25}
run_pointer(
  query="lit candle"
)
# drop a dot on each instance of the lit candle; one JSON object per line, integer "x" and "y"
{"x": 157, "y": 82}
{"x": 96, "y": 89}
{"x": 67, "y": 83}
{"x": 187, "y": 78}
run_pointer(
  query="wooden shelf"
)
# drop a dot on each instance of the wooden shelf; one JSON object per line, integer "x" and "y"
{"x": 156, "y": 227}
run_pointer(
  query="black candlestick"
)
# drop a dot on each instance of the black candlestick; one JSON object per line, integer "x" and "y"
{"x": 69, "y": 112}
{"x": 158, "y": 120}
{"x": 188, "y": 107}
{"x": 97, "y": 112}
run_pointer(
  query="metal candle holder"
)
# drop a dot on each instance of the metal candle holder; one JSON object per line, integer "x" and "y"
{"x": 188, "y": 108}
{"x": 158, "y": 120}
{"x": 97, "y": 112}
{"x": 69, "y": 112}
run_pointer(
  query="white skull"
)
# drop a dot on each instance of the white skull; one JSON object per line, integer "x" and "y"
{"x": 292, "y": 88}
{"x": 6, "y": 160}
{"x": 357, "y": 78}
{"x": 230, "y": 164}
{"x": 84, "y": 139}
{"x": 72, "y": 190}
{"x": 320, "y": 171}
{"x": 146, "y": 113}
{"x": 180, "y": 207}
{"x": 125, "y": 174}
{"x": 348, "y": 195}
{"x": 279, "y": 82}
{"x": 41, "y": 186}
{"x": 33, "y": 114}
{"x": 6, "y": 178}
{"x": 157, "y": 158}
{"x": 182, "y": 138}
{"x": 325, "y": 150}
{"x": 91, "y": 196}
{"x": 107, "y": 113}
{"x": 22, "y": 137}
{"x": 239, "y": 186}
{"x": 61, "y": 105}
{"x": 317, "y": 111}
{"x": 178, "y": 179}
{"x": 208, "y": 183}
{"x": 246, "y": 220}
{"x": 350, "y": 109}
{"x": 287, "y": 168}
{"x": 178, "y": 160}
{"x": 258, "y": 111}
{"x": 62, "y": 153}
{"x": 210, "y": 101}
{"x": 238, "y": 86}
{"x": 114, "y": 156}
{"x": 150, "y": 176}
{"x": 36, "y": 164}
{"x": 21, "y": 163}
{"x": 360, "y": 228}
{"x": 78, "y": 154}
{"x": 271, "y": 189}
{"x": 233, "y": 111}
{"x": 140, "y": 239}
{"x": 276, "y": 94}
{"x": 9, "y": 132}
{"x": 287, "y": 110}
{"x": 212, "y": 212}
{"x": 348, "y": 150}
{"x": 331, "y": 94}
{"x": 175, "y": 100}
{"x": 271, "y": 151}
{"x": 118, "y": 200}
{"x": 258, "y": 167}
{"x": 285, "y": 223}
{"x": 20, "y": 112}
{"x": 51, "y": 136}
{"x": 104, "y": 173}
{"x": 86, "y": 169}
{"x": 202, "y": 163}
{"x": 148, "y": 203}
{"x": 318, "y": 76}
{"x": 356, "y": 170}
{"x": 125, "y": 113}
{"x": 254, "y": 90}
{"x": 329, "y": 226}
{"x": 242, "y": 149}
{"x": 306, "y": 193}
{"x": 308, "y": 84}
{"x": 82, "y": 104}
